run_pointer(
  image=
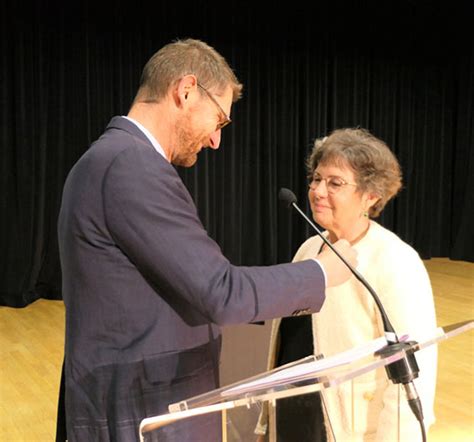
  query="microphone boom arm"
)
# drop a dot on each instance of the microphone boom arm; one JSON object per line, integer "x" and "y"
{"x": 390, "y": 334}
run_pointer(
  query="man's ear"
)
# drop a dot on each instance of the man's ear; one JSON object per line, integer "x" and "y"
{"x": 185, "y": 86}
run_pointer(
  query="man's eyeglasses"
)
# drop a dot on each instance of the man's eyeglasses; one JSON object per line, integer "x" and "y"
{"x": 333, "y": 183}
{"x": 225, "y": 118}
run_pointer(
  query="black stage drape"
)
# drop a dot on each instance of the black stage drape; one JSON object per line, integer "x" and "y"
{"x": 68, "y": 67}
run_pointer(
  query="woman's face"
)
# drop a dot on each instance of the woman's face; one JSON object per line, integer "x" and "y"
{"x": 335, "y": 200}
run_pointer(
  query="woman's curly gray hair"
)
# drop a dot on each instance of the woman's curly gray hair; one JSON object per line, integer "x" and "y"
{"x": 375, "y": 167}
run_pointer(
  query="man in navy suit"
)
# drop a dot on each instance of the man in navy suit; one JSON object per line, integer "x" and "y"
{"x": 145, "y": 287}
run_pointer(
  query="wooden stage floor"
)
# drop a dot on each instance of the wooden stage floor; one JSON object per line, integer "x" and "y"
{"x": 31, "y": 350}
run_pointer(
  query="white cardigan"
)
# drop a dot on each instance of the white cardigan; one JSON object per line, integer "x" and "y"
{"x": 349, "y": 317}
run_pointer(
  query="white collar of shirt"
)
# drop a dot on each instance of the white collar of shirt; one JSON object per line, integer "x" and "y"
{"x": 150, "y": 137}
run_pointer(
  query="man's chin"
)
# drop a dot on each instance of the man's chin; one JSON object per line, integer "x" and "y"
{"x": 186, "y": 162}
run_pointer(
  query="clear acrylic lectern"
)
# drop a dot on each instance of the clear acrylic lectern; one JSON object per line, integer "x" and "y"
{"x": 307, "y": 375}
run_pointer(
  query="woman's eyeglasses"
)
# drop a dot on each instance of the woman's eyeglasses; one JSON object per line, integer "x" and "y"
{"x": 333, "y": 183}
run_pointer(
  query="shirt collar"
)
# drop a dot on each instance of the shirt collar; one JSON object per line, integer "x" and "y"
{"x": 150, "y": 137}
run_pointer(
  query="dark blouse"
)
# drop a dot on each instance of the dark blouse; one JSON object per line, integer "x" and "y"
{"x": 298, "y": 418}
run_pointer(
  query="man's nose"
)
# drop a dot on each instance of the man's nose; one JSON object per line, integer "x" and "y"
{"x": 215, "y": 139}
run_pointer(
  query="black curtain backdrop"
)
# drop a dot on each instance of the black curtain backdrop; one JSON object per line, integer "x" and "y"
{"x": 405, "y": 72}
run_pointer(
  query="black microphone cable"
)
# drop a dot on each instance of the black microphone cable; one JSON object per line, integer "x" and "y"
{"x": 403, "y": 371}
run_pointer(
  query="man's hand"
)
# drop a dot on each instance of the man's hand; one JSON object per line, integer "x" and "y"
{"x": 336, "y": 271}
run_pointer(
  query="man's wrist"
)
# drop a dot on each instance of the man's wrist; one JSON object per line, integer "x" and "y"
{"x": 322, "y": 269}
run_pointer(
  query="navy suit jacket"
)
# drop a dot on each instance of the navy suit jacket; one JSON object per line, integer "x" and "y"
{"x": 146, "y": 288}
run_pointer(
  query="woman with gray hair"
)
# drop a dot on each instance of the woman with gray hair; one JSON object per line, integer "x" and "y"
{"x": 352, "y": 176}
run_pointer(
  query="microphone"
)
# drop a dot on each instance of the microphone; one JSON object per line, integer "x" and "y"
{"x": 402, "y": 371}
